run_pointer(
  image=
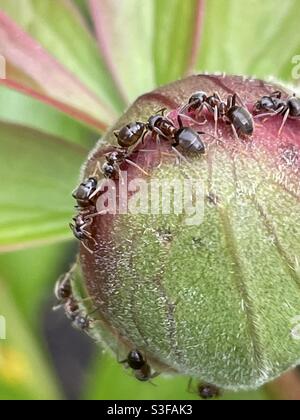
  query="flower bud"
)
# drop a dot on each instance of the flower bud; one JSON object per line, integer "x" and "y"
{"x": 203, "y": 278}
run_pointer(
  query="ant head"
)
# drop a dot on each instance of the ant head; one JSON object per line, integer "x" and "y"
{"x": 82, "y": 322}
{"x": 198, "y": 97}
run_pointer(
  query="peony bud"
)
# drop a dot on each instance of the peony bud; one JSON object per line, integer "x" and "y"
{"x": 211, "y": 288}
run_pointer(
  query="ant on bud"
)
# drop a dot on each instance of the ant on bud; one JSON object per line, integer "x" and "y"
{"x": 274, "y": 104}
{"x": 137, "y": 362}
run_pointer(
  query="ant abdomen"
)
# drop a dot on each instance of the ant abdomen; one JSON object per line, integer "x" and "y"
{"x": 189, "y": 140}
{"x": 130, "y": 134}
{"x": 241, "y": 119}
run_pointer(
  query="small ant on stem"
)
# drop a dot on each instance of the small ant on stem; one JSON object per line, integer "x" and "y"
{"x": 64, "y": 293}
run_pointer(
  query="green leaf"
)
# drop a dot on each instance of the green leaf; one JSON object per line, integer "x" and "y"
{"x": 30, "y": 274}
{"x": 62, "y": 31}
{"x": 250, "y": 37}
{"x": 125, "y": 33}
{"x": 160, "y": 43}
{"x": 48, "y": 81}
{"x": 16, "y": 108}
{"x": 23, "y": 368}
{"x": 39, "y": 172}
{"x": 177, "y": 30}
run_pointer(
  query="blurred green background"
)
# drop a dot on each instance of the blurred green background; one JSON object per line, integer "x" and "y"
{"x": 43, "y": 142}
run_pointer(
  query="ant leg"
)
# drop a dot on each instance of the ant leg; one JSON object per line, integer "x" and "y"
{"x": 89, "y": 236}
{"x": 216, "y": 120}
{"x": 100, "y": 213}
{"x": 181, "y": 157}
{"x": 193, "y": 120}
{"x": 277, "y": 94}
{"x": 187, "y": 106}
{"x": 235, "y": 132}
{"x": 287, "y": 113}
{"x": 97, "y": 169}
{"x": 266, "y": 115}
{"x": 136, "y": 166}
{"x": 200, "y": 109}
{"x": 58, "y": 307}
{"x": 270, "y": 114}
{"x": 208, "y": 134}
{"x": 120, "y": 175}
{"x": 143, "y": 136}
{"x": 217, "y": 96}
{"x": 218, "y": 140}
{"x": 182, "y": 110}
{"x": 236, "y": 97}
{"x": 179, "y": 119}
{"x": 155, "y": 375}
{"x": 231, "y": 100}
{"x": 160, "y": 133}
{"x": 161, "y": 111}
{"x": 87, "y": 248}
{"x": 96, "y": 192}
{"x": 190, "y": 386}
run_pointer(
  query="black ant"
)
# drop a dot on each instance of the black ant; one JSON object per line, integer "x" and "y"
{"x": 274, "y": 105}
{"x": 79, "y": 228}
{"x": 64, "y": 294}
{"x": 115, "y": 159}
{"x": 142, "y": 370}
{"x": 74, "y": 314}
{"x": 205, "y": 391}
{"x": 85, "y": 191}
{"x": 238, "y": 116}
{"x": 185, "y": 137}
